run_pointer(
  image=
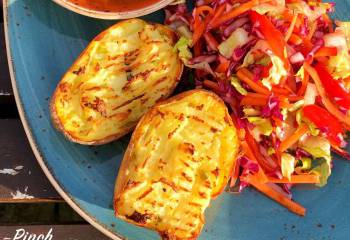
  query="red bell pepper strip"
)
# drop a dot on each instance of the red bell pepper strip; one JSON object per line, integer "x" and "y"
{"x": 272, "y": 35}
{"x": 333, "y": 87}
{"x": 325, "y": 122}
{"x": 329, "y": 105}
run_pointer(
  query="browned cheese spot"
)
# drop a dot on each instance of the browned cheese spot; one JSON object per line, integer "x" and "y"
{"x": 139, "y": 217}
{"x": 128, "y": 102}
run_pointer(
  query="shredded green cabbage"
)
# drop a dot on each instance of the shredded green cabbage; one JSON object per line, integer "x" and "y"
{"x": 317, "y": 146}
{"x": 323, "y": 169}
{"x": 287, "y": 165}
{"x": 183, "y": 47}
{"x": 237, "y": 39}
{"x": 263, "y": 125}
{"x": 237, "y": 85}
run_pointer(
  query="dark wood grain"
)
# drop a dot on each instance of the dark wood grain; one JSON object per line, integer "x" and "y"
{"x": 5, "y": 83}
{"x": 15, "y": 153}
{"x": 59, "y": 232}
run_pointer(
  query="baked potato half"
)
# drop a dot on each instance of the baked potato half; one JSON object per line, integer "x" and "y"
{"x": 179, "y": 157}
{"x": 121, "y": 74}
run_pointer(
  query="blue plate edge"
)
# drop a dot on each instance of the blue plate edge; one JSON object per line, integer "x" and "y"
{"x": 39, "y": 157}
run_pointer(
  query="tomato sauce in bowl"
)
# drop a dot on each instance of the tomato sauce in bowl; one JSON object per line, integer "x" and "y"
{"x": 114, "y": 9}
{"x": 113, "y": 5}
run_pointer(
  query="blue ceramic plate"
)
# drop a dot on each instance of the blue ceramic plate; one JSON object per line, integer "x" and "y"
{"x": 43, "y": 40}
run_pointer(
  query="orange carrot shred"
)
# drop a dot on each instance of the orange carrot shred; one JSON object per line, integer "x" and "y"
{"x": 288, "y": 142}
{"x": 212, "y": 85}
{"x": 244, "y": 7}
{"x": 298, "y": 179}
{"x": 244, "y": 75}
{"x": 273, "y": 194}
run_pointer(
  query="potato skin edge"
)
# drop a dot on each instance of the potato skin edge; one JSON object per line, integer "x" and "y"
{"x": 55, "y": 119}
{"x": 121, "y": 180}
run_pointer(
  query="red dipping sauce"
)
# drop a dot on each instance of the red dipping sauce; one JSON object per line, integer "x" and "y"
{"x": 113, "y": 5}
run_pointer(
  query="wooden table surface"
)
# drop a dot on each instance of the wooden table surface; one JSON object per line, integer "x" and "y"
{"x": 22, "y": 180}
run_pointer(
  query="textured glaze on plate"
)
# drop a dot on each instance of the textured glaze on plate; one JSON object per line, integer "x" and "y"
{"x": 44, "y": 39}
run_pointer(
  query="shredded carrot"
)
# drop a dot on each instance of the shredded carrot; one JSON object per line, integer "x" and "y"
{"x": 257, "y": 95}
{"x": 288, "y": 142}
{"x": 218, "y": 12}
{"x": 244, "y": 7}
{"x": 298, "y": 179}
{"x": 244, "y": 75}
{"x": 212, "y": 85}
{"x": 304, "y": 83}
{"x": 326, "y": 52}
{"x": 266, "y": 165}
{"x": 312, "y": 30}
{"x": 281, "y": 90}
{"x": 288, "y": 15}
{"x": 223, "y": 66}
{"x": 278, "y": 121}
{"x": 234, "y": 175}
{"x": 249, "y": 153}
{"x": 253, "y": 101}
{"x": 199, "y": 23}
{"x": 295, "y": 98}
{"x": 295, "y": 39}
{"x": 291, "y": 27}
{"x": 197, "y": 48}
{"x": 211, "y": 41}
{"x": 278, "y": 197}
{"x": 325, "y": 100}
{"x": 307, "y": 46}
{"x": 329, "y": 21}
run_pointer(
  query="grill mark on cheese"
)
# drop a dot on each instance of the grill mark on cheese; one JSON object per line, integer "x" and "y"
{"x": 190, "y": 224}
{"x": 79, "y": 71}
{"x": 143, "y": 75}
{"x": 185, "y": 176}
{"x": 128, "y": 101}
{"x": 120, "y": 115}
{"x": 170, "y": 134}
{"x": 162, "y": 163}
{"x": 194, "y": 204}
{"x": 186, "y": 164}
{"x": 131, "y": 184}
{"x": 198, "y": 119}
{"x": 207, "y": 184}
{"x": 160, "y": 80}
{"x": 215, "y": 172}
{"x": 143, "y": 195}
{"x": 145, "y": 162}
{"x": 202, "y": 194}
{"x": 169, "y": 183}
{"x": 187, "y": 148}
{"x": 92, "y": 88}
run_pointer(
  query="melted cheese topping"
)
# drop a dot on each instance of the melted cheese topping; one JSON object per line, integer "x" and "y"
{"x": 180, "y": 156}
{"x": 121, "y": 74}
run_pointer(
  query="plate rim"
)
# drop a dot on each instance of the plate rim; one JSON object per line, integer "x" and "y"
{"x": 40, "y": 159}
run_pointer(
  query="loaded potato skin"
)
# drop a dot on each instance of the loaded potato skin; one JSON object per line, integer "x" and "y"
{"x": 122, "y": 73}
{"x": 180, "y": 156}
